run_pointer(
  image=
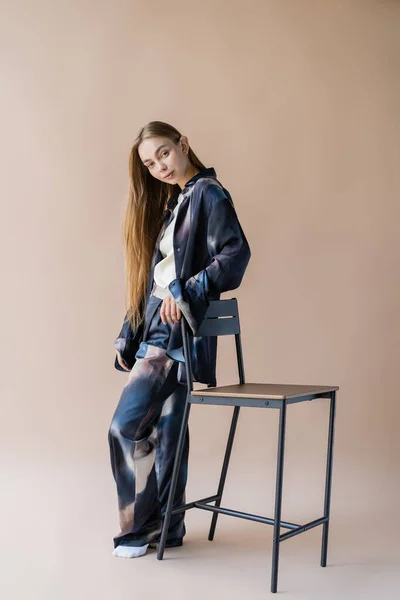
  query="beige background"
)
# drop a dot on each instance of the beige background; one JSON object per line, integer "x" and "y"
{"x": 296, "y": 105}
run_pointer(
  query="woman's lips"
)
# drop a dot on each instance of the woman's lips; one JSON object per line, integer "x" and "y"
{"x": 169, "y": 176}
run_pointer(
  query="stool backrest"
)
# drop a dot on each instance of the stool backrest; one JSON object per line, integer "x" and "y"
{"x": 221, "y": 318}
{"x": 212, "y": 324}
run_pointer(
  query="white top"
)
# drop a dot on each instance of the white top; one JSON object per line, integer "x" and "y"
{"x": 164, "y": 271}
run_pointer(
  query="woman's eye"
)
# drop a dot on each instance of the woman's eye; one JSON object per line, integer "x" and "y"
{"x": 151, "y": 164}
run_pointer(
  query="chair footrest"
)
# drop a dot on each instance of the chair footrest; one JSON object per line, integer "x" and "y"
{"x": 244, "y": 515}
{"x": 302, "y": 528}
{"x": 295, "y": 529}
{"x": 180, "y": 509}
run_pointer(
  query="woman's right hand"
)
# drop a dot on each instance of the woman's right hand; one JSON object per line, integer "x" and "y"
{"x": 121, "y": 362}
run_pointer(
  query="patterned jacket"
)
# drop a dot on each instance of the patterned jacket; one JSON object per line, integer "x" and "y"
{"x": 211, "y": 255}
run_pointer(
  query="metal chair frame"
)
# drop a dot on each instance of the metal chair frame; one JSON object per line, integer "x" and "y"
{"x": 279, "y": 397}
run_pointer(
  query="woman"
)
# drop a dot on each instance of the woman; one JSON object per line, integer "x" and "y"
{"x": 184, "y": 246}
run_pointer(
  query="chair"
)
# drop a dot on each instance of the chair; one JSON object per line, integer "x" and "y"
{"x": 260, "y": 395}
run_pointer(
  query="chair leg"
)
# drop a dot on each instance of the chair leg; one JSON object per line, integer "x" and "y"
{"x": 278, "y": 497}
{"x": 328, "y": 480}
{"x": 174, "y": 479}
{"x": 224, "y": 470}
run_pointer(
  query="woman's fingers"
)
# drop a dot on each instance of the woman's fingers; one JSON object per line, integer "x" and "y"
{"x": 175, "y": 310}
{"x": 121, "y": 362}
{"x": 162, "y": 311}
{"x": 170, "y": 311}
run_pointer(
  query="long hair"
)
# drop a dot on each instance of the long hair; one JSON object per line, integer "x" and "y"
{"x": 147, "y": 201}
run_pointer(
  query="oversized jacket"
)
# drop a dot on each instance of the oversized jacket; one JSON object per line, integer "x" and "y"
{"x": 211, "y": 255}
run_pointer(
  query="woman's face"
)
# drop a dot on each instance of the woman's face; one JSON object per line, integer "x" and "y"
{"x": 165, "y": 160}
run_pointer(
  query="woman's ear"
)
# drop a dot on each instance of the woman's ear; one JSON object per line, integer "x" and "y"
{"x": 184, "y": 144}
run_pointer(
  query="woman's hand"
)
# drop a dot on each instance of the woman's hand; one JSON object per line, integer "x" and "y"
{"x": 170, "y": 310}
{"x": 121, "y": 362}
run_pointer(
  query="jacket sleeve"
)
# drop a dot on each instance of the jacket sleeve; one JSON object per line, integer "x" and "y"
{"x": 127, "y": 344}
{"x": 230, "y": 254}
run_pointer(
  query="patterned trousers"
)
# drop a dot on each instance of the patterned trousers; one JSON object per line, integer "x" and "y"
{"x": 143, "y": 436}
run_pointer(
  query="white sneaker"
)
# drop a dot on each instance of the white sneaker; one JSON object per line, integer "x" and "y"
{"x": 123, "y": 551}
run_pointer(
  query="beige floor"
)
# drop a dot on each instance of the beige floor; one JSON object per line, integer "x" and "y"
{"x": 237, "y": 565}
{"x": 59, "y": 514}
{"x": 361, "y": 564}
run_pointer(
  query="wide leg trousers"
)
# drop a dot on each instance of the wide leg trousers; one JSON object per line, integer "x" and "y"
{"x": 143, "y": 437}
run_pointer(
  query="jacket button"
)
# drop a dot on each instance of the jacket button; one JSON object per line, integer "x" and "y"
{"x": 178, "y": 249}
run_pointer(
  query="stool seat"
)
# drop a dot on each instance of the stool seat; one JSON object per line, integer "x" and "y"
{"x": 265, "y": 391}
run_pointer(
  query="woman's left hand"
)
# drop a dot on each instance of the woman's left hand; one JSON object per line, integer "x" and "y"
{"x": 170, "y": 310}
{"x": 121, "y": 362}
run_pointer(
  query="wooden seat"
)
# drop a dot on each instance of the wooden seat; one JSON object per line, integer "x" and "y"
{"x": 265, "y": 391}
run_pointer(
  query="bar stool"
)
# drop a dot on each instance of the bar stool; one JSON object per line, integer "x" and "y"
{"x": 260, "y": 395}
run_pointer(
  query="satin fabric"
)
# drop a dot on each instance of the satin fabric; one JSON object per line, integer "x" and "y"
{"x": 143, "y": 437}
{"x": 211, "y": 255}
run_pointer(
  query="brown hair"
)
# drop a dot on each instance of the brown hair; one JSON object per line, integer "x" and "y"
{"x": 145, "y": 208}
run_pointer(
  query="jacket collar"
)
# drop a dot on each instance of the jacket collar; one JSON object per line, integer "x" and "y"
{"x": 207, "y": 172}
